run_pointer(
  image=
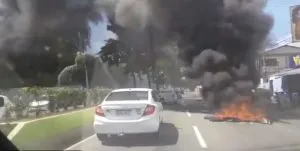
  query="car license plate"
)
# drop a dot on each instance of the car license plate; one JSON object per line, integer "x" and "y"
{"x": 122, "y": 112}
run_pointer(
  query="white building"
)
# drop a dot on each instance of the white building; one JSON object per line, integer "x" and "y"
{"x": 280, "y": 58}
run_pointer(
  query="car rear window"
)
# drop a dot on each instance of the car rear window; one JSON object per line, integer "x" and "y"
{"x": 127, "y": 95}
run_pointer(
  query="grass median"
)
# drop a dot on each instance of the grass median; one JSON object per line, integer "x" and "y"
{"x": 47, "y": 128}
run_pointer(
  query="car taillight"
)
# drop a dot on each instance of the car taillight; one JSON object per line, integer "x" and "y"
{"x": 149, "y": 110}
{"x": 99, "y": 111}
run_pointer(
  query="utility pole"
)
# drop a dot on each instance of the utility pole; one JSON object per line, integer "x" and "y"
{"x": 152, "y": 56}
{"x": 81, "y": 46}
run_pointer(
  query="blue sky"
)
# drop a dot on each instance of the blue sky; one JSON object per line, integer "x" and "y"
{"x": 99, "y": 34}
{"x": 279, "y": 9}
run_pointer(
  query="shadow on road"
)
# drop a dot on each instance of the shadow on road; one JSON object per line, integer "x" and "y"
{"x": 168, "y": 136}
{"x": 278, "y": 115}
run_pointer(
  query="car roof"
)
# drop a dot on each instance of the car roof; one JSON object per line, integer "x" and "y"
{"x": 131, "y": 89}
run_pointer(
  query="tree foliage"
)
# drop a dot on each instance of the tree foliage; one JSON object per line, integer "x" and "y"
{"x": 117, "y": 53}
{"x": 75, "y": 74}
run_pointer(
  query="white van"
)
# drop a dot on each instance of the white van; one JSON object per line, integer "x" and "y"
{"x": 4, "y": 103}
{"x": 285, "y": 89}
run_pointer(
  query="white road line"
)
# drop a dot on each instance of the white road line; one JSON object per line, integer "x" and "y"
{"x": 15, "y": 131}
{"x": 20, "y": 125}
{"x": 62, "y": 114}
{"x": 199, "y": 137}
{"x": 82, "y": 141}
{"x": 188, "y": 114}
{"x": 46, "y": 117}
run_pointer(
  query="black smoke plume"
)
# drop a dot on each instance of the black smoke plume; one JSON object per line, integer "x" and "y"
{"x": 38, "y": 38}
{"x": 218, "y": 39}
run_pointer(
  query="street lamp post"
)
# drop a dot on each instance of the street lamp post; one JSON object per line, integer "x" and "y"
{"x": 152, "y": 56}
{"x": 85, "y": 67}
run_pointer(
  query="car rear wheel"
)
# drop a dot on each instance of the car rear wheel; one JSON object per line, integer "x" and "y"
{"x": 102, "y": 137}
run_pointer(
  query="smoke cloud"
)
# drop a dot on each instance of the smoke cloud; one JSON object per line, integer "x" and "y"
{"x": 21, "y": 21}
{"x": 31, "y": 32}
{"x": 217, "y": 39}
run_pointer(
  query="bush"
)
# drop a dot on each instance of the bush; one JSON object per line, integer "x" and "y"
{"x": 97, "y": 95}
{"x": 64, "y": 97}
{"x": 59, "y": 97}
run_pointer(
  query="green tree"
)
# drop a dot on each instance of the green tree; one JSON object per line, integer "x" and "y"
{"x": 117, "y": 53}
{"x": 141, "y": 52}
{"x": 75, "y": 74}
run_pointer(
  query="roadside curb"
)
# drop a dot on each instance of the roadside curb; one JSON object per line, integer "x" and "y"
{"x": 42, "y": 118}
{"x": 15, "y": 131}
{"x": 20, "y": 125}
{"x": 52, "y": 116}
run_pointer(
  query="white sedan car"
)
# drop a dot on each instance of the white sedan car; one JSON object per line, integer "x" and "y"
{"x": 128, "y": 111}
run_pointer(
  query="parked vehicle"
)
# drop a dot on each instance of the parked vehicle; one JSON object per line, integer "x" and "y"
{"x": 4, "y": 104}
{"x": 128, "y": 111}
{"x": 169, "y": 97}
{"x": 285, "y": 89}
{"x": 39, "y": 105}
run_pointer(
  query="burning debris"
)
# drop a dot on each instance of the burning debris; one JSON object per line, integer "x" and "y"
{"x": 240, "y": 111}
{"x": 233, "y": 119}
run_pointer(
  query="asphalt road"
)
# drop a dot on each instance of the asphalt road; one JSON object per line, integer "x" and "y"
{"x": 185, "y": 128}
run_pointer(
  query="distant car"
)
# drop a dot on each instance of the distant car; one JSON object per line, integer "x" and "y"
{"x": 128, "y": 111}
{"x": 39, "y": 105}
{"x": 169, "y": 97}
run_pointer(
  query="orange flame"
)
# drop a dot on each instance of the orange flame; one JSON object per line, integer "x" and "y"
{"x": 242, "y": 110}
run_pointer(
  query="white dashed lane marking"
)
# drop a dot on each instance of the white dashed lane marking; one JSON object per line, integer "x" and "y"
{"x": 199, "y": 137}
{"x": 188, "y": 114}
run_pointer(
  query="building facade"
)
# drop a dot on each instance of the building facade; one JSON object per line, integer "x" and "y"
{"x": 279, "y": 59}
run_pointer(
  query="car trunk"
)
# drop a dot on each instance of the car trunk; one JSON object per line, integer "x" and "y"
{"x": 124, "y": 110}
